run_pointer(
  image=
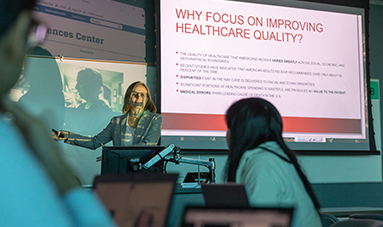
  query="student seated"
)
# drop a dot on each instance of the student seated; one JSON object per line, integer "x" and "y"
{"x": 259, "y": 158}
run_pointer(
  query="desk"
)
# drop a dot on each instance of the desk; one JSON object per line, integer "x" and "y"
{"x": 344, "y": 212}
{"x": 193, "y": 196}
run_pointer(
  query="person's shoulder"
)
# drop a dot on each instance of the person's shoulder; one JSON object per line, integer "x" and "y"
{"x": 148, "y": 112}
{"x": 259, "y": 151}
{"x": 118, "y": 118}
{"x": 151, "y": 114}
{"x": 264, "y": 153}
{"x": 158, "y": 116}
{"x": 100, "y": 105}
{"x": 259, "y": 160}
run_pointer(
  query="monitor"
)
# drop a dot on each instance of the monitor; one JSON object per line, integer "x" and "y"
{"x": 127, "y": 159}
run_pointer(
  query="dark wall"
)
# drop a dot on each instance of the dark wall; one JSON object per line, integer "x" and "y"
{"x": 376, "y": 49}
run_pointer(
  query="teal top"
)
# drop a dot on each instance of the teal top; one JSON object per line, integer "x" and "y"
{"x": 271, "y": 180}
{"x": 30, "y": 198}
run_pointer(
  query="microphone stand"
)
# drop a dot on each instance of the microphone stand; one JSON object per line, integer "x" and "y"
{"x": 177, "y": 159}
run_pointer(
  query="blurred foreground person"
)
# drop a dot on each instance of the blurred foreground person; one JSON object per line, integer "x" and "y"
{"x": 38, "y": 188}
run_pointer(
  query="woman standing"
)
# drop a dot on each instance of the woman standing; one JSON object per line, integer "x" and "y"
{"x": 139, "y": 124}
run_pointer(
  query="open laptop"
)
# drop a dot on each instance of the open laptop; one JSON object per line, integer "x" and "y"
{"x": 237, "y": 217}
{"x": 137, "y": 199}
{"x": 229, "y": 194}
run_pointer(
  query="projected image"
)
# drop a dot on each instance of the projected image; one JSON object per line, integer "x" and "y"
{"x": 92, "y": 97}
{"x": 76, "y": 80}
{"x": 77, "y": 95}
{"x": 89, "y": 92}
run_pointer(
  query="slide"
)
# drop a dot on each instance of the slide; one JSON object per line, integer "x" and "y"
{"x": 308, "y": 63}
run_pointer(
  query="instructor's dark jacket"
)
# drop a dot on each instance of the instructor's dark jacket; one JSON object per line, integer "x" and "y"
{"x": 148, "y": 132}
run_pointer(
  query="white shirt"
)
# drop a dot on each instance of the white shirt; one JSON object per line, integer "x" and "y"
{"x": 128, "y": 137}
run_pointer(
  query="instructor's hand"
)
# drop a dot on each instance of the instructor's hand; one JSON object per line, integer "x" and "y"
{"x": 60, "y": 135}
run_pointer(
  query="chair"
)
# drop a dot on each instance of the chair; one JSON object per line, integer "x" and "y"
{"x": 358, "y": 223}
{"x": 328, "y": 219}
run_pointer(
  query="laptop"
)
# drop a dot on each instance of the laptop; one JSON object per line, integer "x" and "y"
{"x": 237, "y": 217}
{"x": 137, "y": 199}
{"x": 229, "y": 194}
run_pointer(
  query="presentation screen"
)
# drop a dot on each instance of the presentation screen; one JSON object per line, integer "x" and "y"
{"x": 307, "y": 59}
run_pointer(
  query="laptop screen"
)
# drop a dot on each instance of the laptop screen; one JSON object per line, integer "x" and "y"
{"x": 137, "y": 199}
{"x": 236, "y": 217}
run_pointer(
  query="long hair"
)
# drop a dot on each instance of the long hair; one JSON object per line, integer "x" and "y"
{"x": 254, "y": 121}
{"x": 149, "y": 105}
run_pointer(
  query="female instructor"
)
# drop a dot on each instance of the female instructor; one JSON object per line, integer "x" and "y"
{"x": 139, "y": 124}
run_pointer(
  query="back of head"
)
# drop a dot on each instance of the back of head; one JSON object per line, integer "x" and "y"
{"x": 13, "y": 39}
{"x": 252, "y": 122}
{"x": 44, "y": 81}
